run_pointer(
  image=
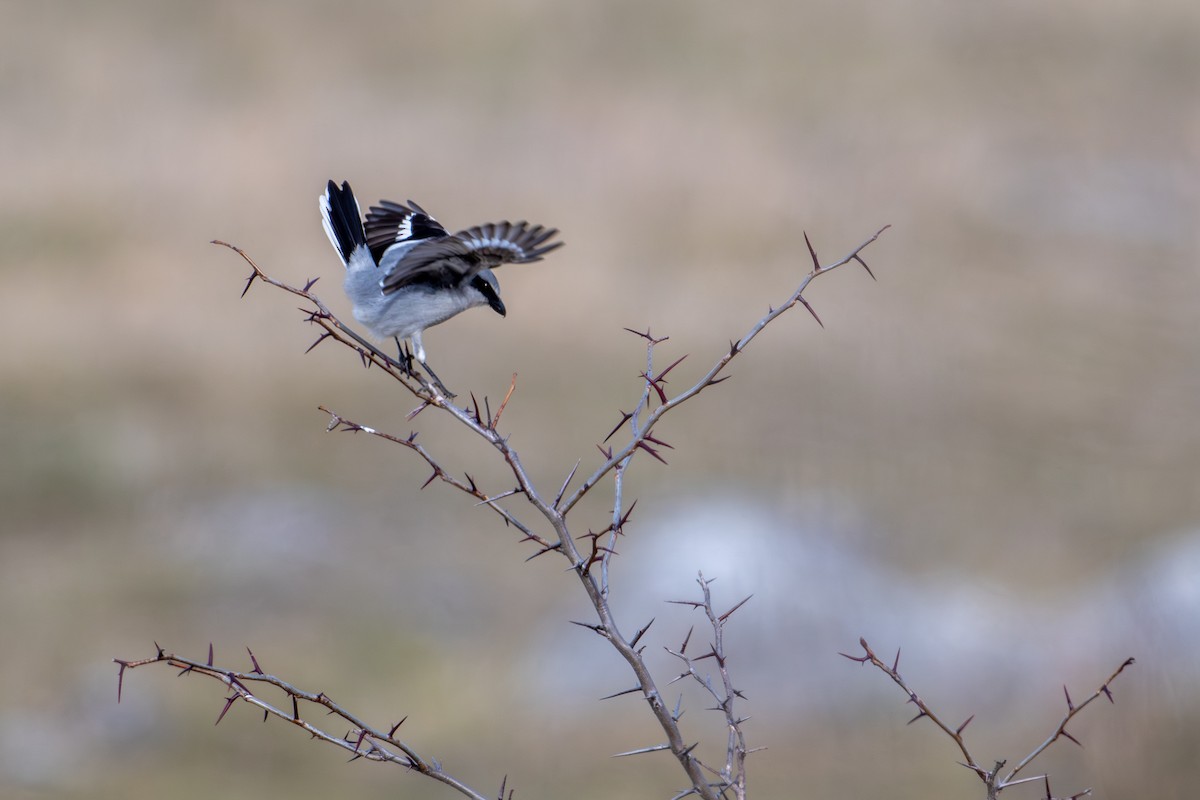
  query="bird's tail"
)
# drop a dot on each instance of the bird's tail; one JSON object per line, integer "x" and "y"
{"x": 343, "y": 220}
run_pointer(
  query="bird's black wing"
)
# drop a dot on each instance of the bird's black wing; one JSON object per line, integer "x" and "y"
{"x": 389, "y": 223}
{"x": 452, "y": 259}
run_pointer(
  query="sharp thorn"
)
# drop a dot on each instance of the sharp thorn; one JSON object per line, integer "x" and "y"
{"x": 812, "y": 252}
{"x": 812, "y": 311}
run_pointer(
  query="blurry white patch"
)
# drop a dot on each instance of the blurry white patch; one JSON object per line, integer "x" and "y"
{"x": 323, "y": 203}
{"x": 404, "y": 229}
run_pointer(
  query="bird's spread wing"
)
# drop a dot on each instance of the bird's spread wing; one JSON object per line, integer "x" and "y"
{"x": 450, "y": 259}
{"x": 516, "y": 242}
{"x": 390, "y": 223}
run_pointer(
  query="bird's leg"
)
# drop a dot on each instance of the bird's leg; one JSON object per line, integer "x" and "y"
{"x": 406, "y": 359}
{"x": 449, "y": 394}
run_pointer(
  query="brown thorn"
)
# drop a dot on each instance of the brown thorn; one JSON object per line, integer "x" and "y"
{"x": 633, "y": 642}
{"x": 811, "y": 311}
{"x": 663, "y": 374}
{"x": 650, "y": 438}
{"x": 210, "y": 654}
{"x": 624, "y": 418}
{"x": 958, "y": 731}
{"x": 662, "y": 396}
{"x": 511, "y": 387}
{"x": 544, "y": 550}
{"x": 121, "y": 665}
{"x": 726, "y": 615}
{"x": 320, "y": 339}
{"x": 396, "y": 727}
{"x": 228, "y": 703}
{"x": 249, "y": 281}
{"x": 563, "y": 489}
{"x": 812, "y": 252}
{"x": 651, "y": 451}
{"x": 864, "y": 266}
{"x": 625, "y": 518}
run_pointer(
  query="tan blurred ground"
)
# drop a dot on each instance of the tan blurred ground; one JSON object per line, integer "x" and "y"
{"x": 1014, "y": 402}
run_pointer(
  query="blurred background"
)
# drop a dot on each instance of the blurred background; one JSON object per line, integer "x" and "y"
{"x": 988, "y": 458}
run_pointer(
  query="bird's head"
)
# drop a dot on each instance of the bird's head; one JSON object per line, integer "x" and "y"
{"x": 485, "y": 283}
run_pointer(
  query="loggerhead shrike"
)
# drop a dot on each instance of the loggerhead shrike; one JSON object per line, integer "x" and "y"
{"x": 404, "y": 273}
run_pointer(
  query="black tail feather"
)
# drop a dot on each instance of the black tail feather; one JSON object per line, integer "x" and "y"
{"x": 345, "y": 224}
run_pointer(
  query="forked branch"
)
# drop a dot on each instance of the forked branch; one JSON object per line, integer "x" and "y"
{"x": 651, "y": 406}
{"x": 991, "y": 777}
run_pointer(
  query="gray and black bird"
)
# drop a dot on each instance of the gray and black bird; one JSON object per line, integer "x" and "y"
{"x": 405, "y": 273}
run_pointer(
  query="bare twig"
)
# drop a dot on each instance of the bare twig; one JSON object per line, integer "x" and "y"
{"x": 991, "y": 778}
{"x": 711, "y": 377}
{"x": 1061, "y": 730}
{"x": 363, "y": 740}
{"x": 733, "y": 774}
{"x": 340, "y": 423}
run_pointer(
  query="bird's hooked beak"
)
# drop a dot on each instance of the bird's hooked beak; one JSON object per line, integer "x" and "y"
{"x": 497, "y": 305}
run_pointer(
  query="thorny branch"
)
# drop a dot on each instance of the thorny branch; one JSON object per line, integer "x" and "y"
{"x": 992, "y": 778}
{"x": 651, "y": 406}
{"x": 640, "y": 433}
{"x": 363, "y": 740}
{"x": 733, "y": 774}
